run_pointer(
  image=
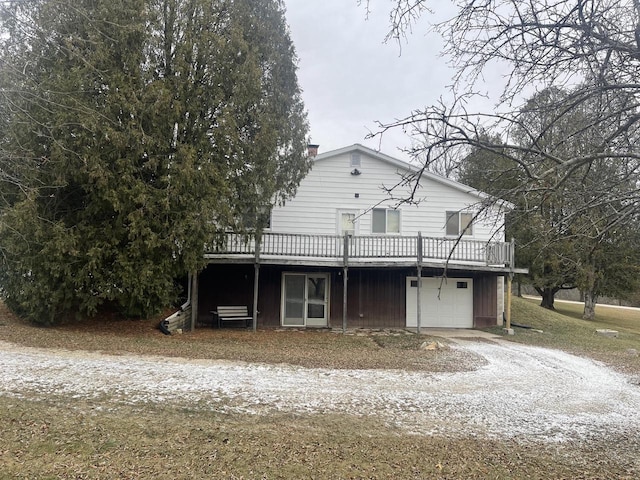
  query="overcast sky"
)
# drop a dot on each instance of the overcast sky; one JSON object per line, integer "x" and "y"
{"x": 350, "y": 78}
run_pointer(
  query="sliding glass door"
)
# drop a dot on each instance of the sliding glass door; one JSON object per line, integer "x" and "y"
{"x": 305, "y": 299}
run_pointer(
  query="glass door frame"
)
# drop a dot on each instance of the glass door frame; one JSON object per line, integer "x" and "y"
{"x": 306, "y": 301}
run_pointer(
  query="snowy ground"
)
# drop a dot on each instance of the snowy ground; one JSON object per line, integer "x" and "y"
{"x": 522, "y": 392}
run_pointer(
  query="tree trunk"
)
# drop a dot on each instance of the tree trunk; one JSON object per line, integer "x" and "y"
{"x": 590, "y": 300}
{"x": 519, "y": 289}
{"x": 548, "y": 297}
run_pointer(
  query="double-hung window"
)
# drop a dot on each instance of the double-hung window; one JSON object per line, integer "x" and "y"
{"x": 459, "y": 223}
{"x": 385, "y": 220}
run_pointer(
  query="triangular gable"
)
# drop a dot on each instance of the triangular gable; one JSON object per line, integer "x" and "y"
{"x": 413, "y": 169}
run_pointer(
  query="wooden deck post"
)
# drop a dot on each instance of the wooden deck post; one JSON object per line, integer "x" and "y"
{"x": 512, "y": 254}
{"x": 418, "y": 307}
{"x": 507, "y": 313}
{"x": 508, "y": 306}
{"x": 194, "y": 299}
{"x": 345, "y": 276}
{"x": 256, "y": 280}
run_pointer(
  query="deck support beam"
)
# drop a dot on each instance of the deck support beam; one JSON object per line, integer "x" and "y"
{"x": 419, "y": 284}
{"x": 256, "y": 282}
{"x": 345, "y": 275}
{"x": 194, "y": 299}
{"x": 508, "y": 306}
{"x": 418, "y": 302}
{"x": 507, "y": 312}
{"x": 345, "y": 279}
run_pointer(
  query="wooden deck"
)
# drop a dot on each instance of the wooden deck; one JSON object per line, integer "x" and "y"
{"x": 370, "y": 250}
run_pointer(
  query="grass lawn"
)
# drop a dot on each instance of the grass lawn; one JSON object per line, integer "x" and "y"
{"x": 566, "y": 330}
{"x": 75, "y": 440}
{"x": 84, "y": 439}
{"x": 307, "y": 348}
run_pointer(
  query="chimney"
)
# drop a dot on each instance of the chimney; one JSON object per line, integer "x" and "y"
{"x": 312, "y": 150}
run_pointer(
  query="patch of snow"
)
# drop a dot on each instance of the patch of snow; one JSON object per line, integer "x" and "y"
{"x": 522, "y": 392}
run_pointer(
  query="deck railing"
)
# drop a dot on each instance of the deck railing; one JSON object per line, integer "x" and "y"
{"x": 364, "y": 247}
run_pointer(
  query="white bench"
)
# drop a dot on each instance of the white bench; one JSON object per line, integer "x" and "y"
{"x": 231, "y": 314}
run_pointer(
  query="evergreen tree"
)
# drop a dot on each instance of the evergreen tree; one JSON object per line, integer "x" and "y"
{"x": 135, "y": 130}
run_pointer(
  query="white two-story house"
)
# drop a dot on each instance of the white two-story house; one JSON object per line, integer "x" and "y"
{"x": 348, "y": 249}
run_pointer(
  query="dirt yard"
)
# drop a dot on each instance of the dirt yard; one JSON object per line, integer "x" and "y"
{"x": 520, "y": 392}
{"x": 479, "y": 407}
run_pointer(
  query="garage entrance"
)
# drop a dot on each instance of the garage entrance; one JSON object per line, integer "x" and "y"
{"x": 443, "y": 304}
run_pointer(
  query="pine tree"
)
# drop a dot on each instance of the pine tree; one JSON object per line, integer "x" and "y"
{"x": 135, "y": 130}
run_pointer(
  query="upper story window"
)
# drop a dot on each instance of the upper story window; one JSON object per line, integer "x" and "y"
{"x": 261, "y": 217}
{"x": 385, "y": 220}
{"x": 347, "y": 222}
{"x": 459, "y": 223}
{"x": 355, "y": 161}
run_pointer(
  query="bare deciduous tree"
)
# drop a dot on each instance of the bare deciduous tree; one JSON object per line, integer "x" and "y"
{"x": 589, "y": 48}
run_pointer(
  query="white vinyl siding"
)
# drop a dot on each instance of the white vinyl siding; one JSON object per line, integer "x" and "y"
{"x": 330, "y": 187}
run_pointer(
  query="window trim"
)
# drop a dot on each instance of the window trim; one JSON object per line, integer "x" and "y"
{"x": 386, "y": 221}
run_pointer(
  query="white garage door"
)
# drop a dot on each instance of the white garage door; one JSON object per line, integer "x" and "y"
{"x": 444, "y": 303}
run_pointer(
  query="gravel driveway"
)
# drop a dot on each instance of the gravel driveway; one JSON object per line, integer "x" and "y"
{"x": 521, "y": 392}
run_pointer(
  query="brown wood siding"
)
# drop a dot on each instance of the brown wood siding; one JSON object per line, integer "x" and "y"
{"x": 485, "y": 303}
{"x": 224, "y": 285}
{"x": 376, "y": 298}
{"x": 269, "y": 296}
{"x": 233, "y": 285}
